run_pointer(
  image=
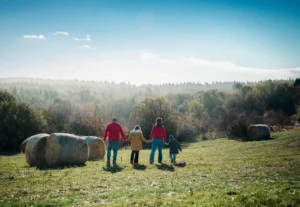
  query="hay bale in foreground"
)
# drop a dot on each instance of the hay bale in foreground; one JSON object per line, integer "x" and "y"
{"x": 258, "y": 132}
{"x": 96, "y": 147}
{"x": 66, "y": 149}
{"x": 35, "y": 149}
{"x": 23, "y": 145}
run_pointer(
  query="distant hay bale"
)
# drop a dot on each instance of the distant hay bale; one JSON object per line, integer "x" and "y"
{"x": 35, "y": 149}
{"x": 66, "y": 149}
{"x": 96, "y": 147}
{"x": 23, "y": 145}
{"x": 258, "y": 132}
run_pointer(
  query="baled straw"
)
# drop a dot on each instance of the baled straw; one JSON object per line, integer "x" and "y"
{"x": 96, "y": 147}
{"x": 66, "y": 149}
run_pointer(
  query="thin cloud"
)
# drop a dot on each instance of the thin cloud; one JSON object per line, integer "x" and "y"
{"x": 228, "y": 66}
{"x": 87, "y": 38}
{"x": 61, "y": 33}
{"x": 144, "y": 67}
{"x": 40, "y": 37}
{"x": 87, "y": 47}
{"x": 148, "y": 56}
{"x": 197, "y": 69}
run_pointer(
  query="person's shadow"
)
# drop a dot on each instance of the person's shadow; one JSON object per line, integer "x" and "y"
{"x": 165, "y": 167}
{"x": 180, "y": 164}
{"x": 113, "y": 168}
{"x": 139, "y": 167}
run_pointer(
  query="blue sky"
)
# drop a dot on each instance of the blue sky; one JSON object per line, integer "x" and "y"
{"x": 150, "y": 41}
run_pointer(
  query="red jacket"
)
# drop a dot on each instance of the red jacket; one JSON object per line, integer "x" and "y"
{"x": 158, "y": 132}
{"x": 113, "y": 131}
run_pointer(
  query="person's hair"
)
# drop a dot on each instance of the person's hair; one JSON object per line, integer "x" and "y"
{"x": 137, "y": 127}
{"x": 158, "y": 122}
{"x": 114, "y": 119}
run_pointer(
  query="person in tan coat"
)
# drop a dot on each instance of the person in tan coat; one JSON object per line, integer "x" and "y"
{"x": 136, "y": 138}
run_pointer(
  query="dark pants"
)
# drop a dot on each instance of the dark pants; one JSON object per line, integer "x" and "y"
{"x": 135, "y": 157}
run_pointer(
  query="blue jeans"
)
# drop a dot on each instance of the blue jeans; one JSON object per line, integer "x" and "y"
{"x": 173, "y": 157}
{"x": 112, "y": 145}
{"x": 156, "y": 143}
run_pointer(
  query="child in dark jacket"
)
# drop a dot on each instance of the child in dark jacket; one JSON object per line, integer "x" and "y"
{"x": 174, "y": 148}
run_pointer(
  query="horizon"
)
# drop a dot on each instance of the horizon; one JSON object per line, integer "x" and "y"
{"x": 28, "y": 79}
{"x": 150, "y": 42}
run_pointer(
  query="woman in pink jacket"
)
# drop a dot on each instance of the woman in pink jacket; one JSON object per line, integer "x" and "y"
{"x": 158, "y": 138}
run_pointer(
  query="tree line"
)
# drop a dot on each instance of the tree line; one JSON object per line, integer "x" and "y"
{"x": 27, "y": 108}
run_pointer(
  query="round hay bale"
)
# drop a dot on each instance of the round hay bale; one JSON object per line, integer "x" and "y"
{"x": 35, "y": 149}
{"x": 258, "y": 132}
{"x": 66, "y": 149}
{"x": 23, "y": 145}
{"x": 96, "y": 147}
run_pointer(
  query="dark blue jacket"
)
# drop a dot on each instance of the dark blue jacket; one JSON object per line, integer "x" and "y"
{"x": 174, "y": 146}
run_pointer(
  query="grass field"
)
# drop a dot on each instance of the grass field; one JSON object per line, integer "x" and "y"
{"x": 219, "y": 172}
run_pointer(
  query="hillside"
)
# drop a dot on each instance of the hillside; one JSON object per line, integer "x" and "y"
{"x": 219, "y": 172}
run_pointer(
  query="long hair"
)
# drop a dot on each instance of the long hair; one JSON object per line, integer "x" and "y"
{"x": 158, "y": 122}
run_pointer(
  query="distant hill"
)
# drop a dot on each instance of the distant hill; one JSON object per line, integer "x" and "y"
{"x": 38, "y": 91}
{"x": 73, "y": 85}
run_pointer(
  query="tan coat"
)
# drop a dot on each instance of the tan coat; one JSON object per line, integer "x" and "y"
{"x": 136, "y": 137}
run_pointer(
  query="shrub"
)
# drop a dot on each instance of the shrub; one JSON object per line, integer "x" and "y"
{"x": 273, "y": 117}
{"x": 86, "y": 124}
{"x": 186, "y": 129}
{"x": 146, "y": 112}
{"x": 18, "y": 121}
{"x": 238, "y": 127}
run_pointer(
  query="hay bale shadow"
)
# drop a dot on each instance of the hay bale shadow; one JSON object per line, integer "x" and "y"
{"x": 139, "y": 167}
{"x": 165, "y": 167}
{"x": 59, "y": 167}
{"x": 112, "y": 169}
{"x": 7, "y": 154}
{"x": 180, "y": 164}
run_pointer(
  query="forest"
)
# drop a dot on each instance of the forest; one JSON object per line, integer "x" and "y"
{"x": 190, "y": 111}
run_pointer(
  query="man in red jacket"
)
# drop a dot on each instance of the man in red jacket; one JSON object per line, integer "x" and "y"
{"x": 112, "y": 132}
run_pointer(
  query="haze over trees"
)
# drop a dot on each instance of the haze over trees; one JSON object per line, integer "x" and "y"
{"x": 30, "y": 106}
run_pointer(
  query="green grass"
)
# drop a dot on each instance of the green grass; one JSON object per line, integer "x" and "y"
{"x": 219, "y": 172}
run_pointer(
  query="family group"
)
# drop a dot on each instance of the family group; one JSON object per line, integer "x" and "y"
{"x": 114, "y": 131}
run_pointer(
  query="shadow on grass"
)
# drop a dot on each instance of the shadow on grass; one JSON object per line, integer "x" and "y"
{"x": 165, "y": 167}
{"x": 59, "y": 167}
{"x": 9, "y": 153}
{"x": 139, "y": 167}
{"x": 180, "y": 164}
{"x": 113, "y": 169}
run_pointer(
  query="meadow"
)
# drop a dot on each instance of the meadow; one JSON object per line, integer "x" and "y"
{"x": 219, "y": 172}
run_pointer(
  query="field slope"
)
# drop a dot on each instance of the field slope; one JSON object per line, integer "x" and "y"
{"x": 219, "y": 172}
